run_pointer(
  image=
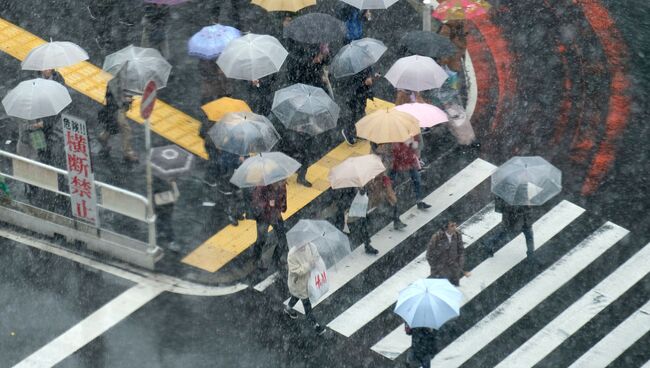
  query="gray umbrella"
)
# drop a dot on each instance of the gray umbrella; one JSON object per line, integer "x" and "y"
{"x": 243, "y": 133}
{"x": 357, "y": 56}
{"x": 315, "y": 28}
{"x": 427, "y": 43}
{"x": 171, "y": 161}
{"x": 331, "y": 243}
{"x": 143, "y": 64}
{"x": 305, "y": 109}
{"x": 527, "y": 180}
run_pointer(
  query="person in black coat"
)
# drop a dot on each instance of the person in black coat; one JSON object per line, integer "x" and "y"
{"x": 423, "y": 345}
{"x": 360, "y": 89}
{"x": 514, "y": 220}
{"x": 305, "y": 65}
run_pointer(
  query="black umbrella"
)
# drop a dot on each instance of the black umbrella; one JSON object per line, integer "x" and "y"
{"x": 315, "y": 28}
{"x": 171, "y": 161}
{"x": 427, "y": 43}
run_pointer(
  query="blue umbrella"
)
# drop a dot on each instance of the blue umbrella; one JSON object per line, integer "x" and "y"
{"x": 210, "y": 41}
{"x": 429, "y": 303}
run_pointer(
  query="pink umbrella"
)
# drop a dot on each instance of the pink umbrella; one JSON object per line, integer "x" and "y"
{"x": 166, "y": 2}
{"x": 427, "y": 115}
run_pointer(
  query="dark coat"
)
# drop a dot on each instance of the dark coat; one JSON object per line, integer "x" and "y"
{"x": 359, "y": 98}
{"x": 446, "y": 259}
{"x": 262, "y": 197}
{"x": 514, "y": 218}
{"x": 423, "y": 341}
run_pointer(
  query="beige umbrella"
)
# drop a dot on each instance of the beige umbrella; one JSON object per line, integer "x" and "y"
{"x": 284, "y": 5}
{"x": 387, "y": 126}
{"x": 355, "y": 172}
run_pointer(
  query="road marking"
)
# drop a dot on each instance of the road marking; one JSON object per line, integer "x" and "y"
{"x": 483, "y": 275}
{"x": 125, "y": 271}
{"x": 533, "y": 293}
{"x": 646, "y": 365}
{"x": 617, "y": 341}
{"x": 580, "y": 312}
{"x": 388, "y": 238}
{"x": 92, "y": 326}
{"x": 267, "y": 282}
{"x": 384, "y": 295}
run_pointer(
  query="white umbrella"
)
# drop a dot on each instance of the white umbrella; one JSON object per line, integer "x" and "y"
{"x": 357, "y": 56}
{"x": 264, "y": 169}
{"x": 355, "y": 172}
{"x": 370, "y": 4}
{"x": 252, "y": 57}
{"x": 527, "y": 180}
{"x": 305, "y": 109}
{"x": 35, "y": 99}
{"x": 416, "y": 73}
{"x": 142, "y": 65}
{"x": 429, "y": 303}
{"x": 52, "y": 55}
{"x": 331, "y": 243}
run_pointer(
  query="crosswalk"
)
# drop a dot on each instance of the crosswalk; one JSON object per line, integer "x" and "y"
{"x": 352, "y": 317}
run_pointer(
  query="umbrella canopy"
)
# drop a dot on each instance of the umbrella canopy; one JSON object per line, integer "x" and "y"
{"x": 252, "y": 57}
{"x": 429, "y": 303}
{"x": 35, "y": 99}
{"x": 427, "y": 43}
{"x": 243, "y": 133}
{"x": 416, "y": 73}
{"x": 283, "y": 5}
{"x": 315, "y": 28}
{"x": 264, "y": 169}
{"x": 305, "y": 109}
{"x": 142, "y": 65}
{"x": 54, "y": 55}
{"x": 218, "y": 108}
{"x": 209, "y": 42}
{"x": 370, "y": 4}
{"x": 169, "y": 162}
{"x": 387, "y": 126}
{"x": 461, "y": 9}
{"x": 355, "y": 172}
{"x": 331, "y": 243}
{"x": 427, "y": 115}
{"x": 357, "y": 56}
{"x": 166, "y": 2}
{"x": 527, "y": 180}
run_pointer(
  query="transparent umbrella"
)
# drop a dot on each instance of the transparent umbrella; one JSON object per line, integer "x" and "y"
{"x": 142, "y": 65}
{"x": 355, "y": 172}
{"x": 36, "y": 98}
{"x": 371, "y": 4}
{"x": 315, "y": 28}
{"x": 305, "y": 109}
{"x": 429, "y": 303}
{"x": 527, "y": 180}
{"x": 427, "y": 43}
{"x": 52, "y": 55}
{"x": 264, "y": 169}
{"x": 357, "y": 56}
{"x": 416, "y": 73}
{"x": 331, "y": 243}
{"x": 243, "y": 133}
{"x": 252, "y": 57}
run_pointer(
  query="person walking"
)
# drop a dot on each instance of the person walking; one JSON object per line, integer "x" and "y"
{"x": 353, "y": 19}
{"x": 405, "y": 159}
{"x": 423, "y": 345}
{"x": 299, "y": 146}
{"x": 112, "y": 119}
{"x": 514, "y": 220}
{"x": 165, "y": 195}
{"x": 300, "y": 261}
{"x": 268, "y": 204}
{"x": 446, "y": 254}
{"x": 154, "y": 28}
{"x": 361, "y": 87}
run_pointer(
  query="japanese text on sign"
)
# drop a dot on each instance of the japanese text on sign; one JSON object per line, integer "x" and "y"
{"x": 83, "y": 198}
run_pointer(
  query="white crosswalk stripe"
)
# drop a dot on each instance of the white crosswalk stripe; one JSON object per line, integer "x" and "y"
{"x": 580, "y": 312}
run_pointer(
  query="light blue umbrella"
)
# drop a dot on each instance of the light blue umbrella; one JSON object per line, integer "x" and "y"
{"x": 209, "y": 42}
{"x": 429, "y": 303}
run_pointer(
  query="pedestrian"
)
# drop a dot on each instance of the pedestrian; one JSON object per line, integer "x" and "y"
{"x": 299, "y": 146}
{"x": 154, "y": 28}
{"x": 268, "y": 204}
{"x": 53, "y": 75}
{"x": 405, "y": 159}
{"x": 165, "y": 195}
{"x": 305, "y": 65}
{"x": 514, "y": 220}
{"x": 112, "y": 119}
{"x": 361, "y": 88}
{"x": 214, "y": 83}
{"x": 261, "y": 93}
{"x": 404, "y": 96}
{"x": 423, "y": 345}
{"x": 300, "y": 261}
{"x": 353, "y": 19}
{"x": 446, "y": 254}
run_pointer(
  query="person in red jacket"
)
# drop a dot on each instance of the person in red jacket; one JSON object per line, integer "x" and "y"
{"x": 269, "y": 202}
{"x": 405, "y": 159}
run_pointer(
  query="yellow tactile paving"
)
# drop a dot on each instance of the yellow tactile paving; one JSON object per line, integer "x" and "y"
{"x": 91, "y": 81}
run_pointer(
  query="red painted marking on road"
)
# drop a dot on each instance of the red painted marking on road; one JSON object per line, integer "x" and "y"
{"x": 619, "y": 103}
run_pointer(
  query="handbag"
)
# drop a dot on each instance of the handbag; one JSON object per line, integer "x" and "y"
{"x": 168, "y": 196}
{"x": 359, "y": 206}
{"x": 37, "y": 139}
{"x": 318, "y": 283}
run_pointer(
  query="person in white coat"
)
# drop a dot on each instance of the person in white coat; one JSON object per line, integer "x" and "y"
{"x": 301, "y": 260}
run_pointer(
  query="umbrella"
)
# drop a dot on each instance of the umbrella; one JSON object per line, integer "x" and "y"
{"x": 461, "y": 9}
{"x": 284, "y": 5}
{"x": 142, "y": 65}
{"x": 427, "y": 43}
{"x": 387, "y": 126}
{"x": 429, "y": 303}
{"x": 355, "y": 172}
{"x": 166, "y": 2}
{"x": 331, "y": 243}
{"x": 427, "y": 115}
{"x": 243, "y": 133}
{"x": 305, "y": 109}
{"x": 264, "y": 169}
{"x": 252, "y": 57}
{"x": 171, "y": 161}
{"x": 35, "y": 99}
{"x": 357, "y": 56}
{"x": 216, "y": 109}
{"x": 54, "y": 55}
{"x": 370, "y": 4}
{"x": 210, "y": 41}
{"x": 527, "y": 180}
{"x": 416, "y": 73}
{"x": 315, "y": 28}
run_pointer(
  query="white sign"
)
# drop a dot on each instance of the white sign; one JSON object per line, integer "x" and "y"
{"x": 83, "y": 197}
